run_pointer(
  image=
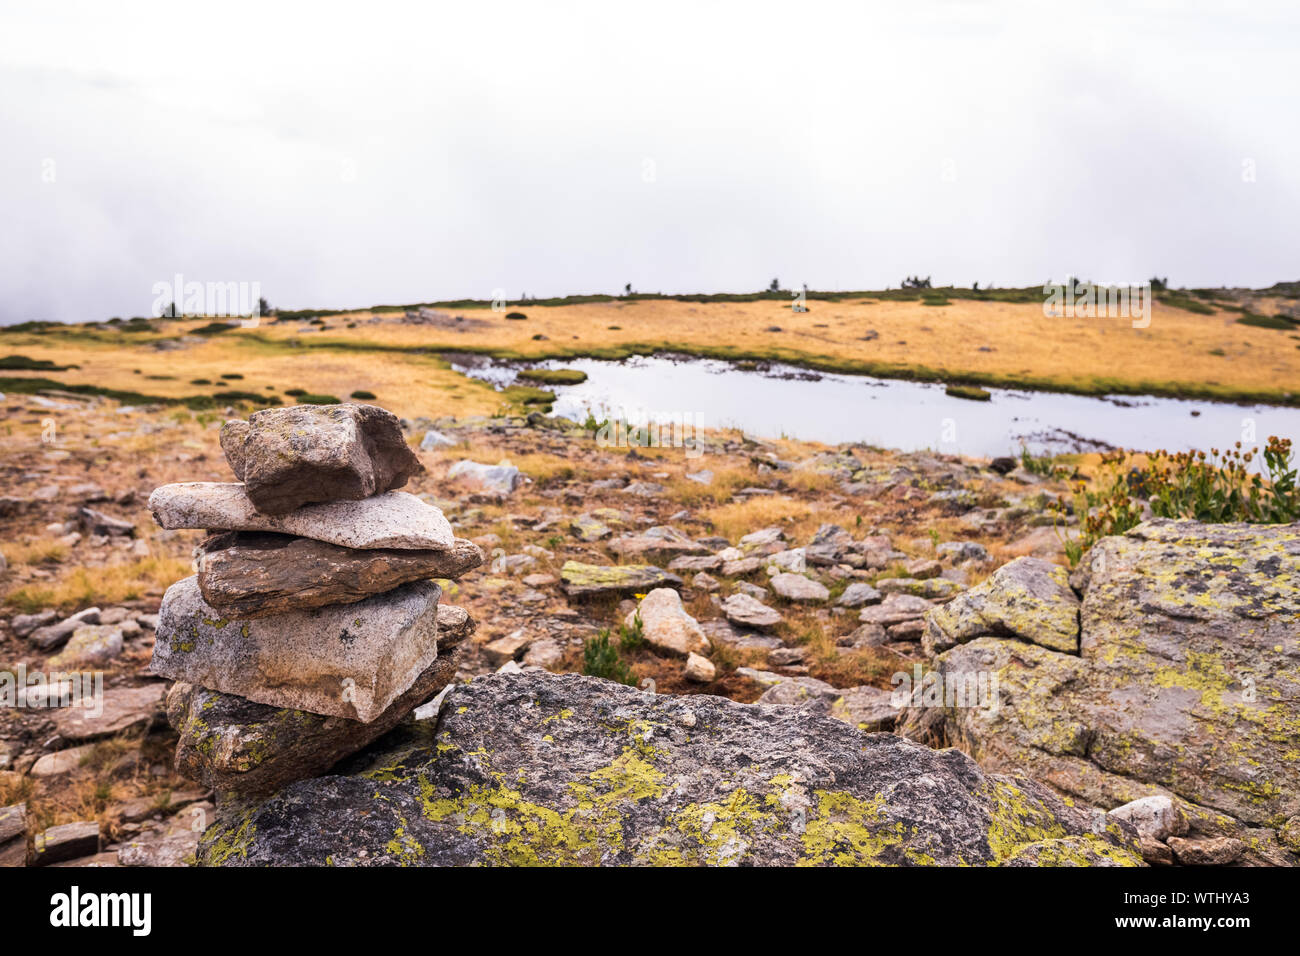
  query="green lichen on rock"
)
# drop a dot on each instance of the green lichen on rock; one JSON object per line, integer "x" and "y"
{"x": 622, "y": 580}
{"x": 539, "y": 769}
{"x": 1028, "y": 598}
{"x": 1185, "y": 683}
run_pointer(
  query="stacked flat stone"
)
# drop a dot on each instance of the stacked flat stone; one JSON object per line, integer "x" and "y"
{"x": 312, "y": 626}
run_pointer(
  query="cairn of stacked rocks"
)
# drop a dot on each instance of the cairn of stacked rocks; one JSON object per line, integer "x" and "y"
{"x": 312, "y": 626}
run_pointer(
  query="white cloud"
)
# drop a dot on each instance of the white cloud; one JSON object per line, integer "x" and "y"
{"x": 345, "y": 155}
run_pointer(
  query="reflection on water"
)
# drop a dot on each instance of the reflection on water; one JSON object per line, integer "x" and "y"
{"x": 774, "y": 400}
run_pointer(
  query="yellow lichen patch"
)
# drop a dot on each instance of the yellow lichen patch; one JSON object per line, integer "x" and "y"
{"x": 844, "y": 830}
{"x": 1016, "y": 819}
{"x": 631, "y": 777}
{"x": 517, "y": 831}
{"x": 231, "y": 841}
{"x": 1087, "y": 850}
{"x": 710, "y": 834}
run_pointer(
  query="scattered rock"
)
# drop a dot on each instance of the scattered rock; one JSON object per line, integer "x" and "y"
{"x": 66, "y": 842}
{"x": 644, "y": 489}
{"x": 932, "y": 588}
{"x": 960, "y": 552}
{"x": 507, "y": 648}
{"x": 791, "y": 560}
{"x": 587, "y": 528}
{"x": 828, "y": 546}
{"x": 894, "y": 609}
{"x": 666, "y": 626}
{"x": 123, "y": 709}
{"x": 1154, "y": 818}
{"x": 720, "y": 631}
{"x": 858, "y": 594}
{"x": 699, "y": 669}
{"x": 741, "y": 566}
{"x": 49, "y": 637}
{"x": 91, "y": 645}
{"x": 435, "y": 439}
{"x": 659, "y": 543}
{"x": 61, "y": 761}
{"x": 594, "y": 580}
{"x": 171, "y": 844}
{"x": 24, "y": 624}
{"x": 870, "y": 709}
{"x": 923, "y": 568}
{"x": 546, "y": 654}
{"x": 764, "y": 541}
{"x": 796, "y": 587}
{"x": 1216, "y": 851}
{"x": 13, "y": 835}
{"x": 500, "y": 479}
{"x": 747, "y": 612}
{"x": 96, "y": 522}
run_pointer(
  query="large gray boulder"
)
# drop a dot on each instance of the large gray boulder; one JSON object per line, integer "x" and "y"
{"x": 1185, "y": 684}
{"x": 534, "y": 768}
{"x": 392, "y": 520}
{"x": 252, "y": 574}
{"x": 290, "y": 457}
{"x": 349, "y": 660}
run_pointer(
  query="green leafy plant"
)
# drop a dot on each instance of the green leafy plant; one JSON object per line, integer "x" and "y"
{"x": 600, "y": 658}
{"x": 1216, "y": 488}
{"x": 632, "y": 638}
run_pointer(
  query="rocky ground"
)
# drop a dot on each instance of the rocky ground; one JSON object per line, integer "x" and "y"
{"x": 779, "y": 572}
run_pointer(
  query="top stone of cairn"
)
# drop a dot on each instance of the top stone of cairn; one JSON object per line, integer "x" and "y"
{"x": 289, "y": 457}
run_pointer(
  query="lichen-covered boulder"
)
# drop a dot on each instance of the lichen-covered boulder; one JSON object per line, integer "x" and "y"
{"x": 1028, "y": 598}
{"x": 545, "y": 769}
{"x": 624, "y": 580}
{"x": 1186, "y": 684}
{"x": 290, "y": 457}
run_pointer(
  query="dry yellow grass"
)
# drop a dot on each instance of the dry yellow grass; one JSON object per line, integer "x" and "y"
{"x": 999, "y": 342}
{"x": 102, "y": 586}
{"x": 738, "y": 518}
{"x": 1021, "y": 341}
{"x": 408, "y": 384}
{"x": 38, "y": 551}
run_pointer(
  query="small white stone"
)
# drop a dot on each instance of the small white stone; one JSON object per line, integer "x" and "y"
{"x": 699, "y": 669}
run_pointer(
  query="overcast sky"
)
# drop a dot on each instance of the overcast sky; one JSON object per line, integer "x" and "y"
{"x": 343, "y": 155}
